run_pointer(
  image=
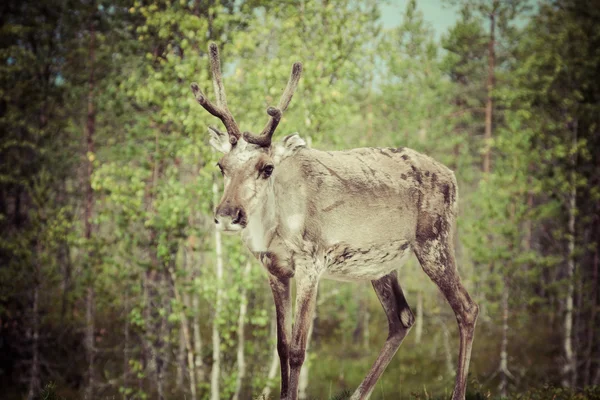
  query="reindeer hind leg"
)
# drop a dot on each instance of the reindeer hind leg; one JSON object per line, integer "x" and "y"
{"x": 400, "y": 320}
{"x": 435, "y": 252}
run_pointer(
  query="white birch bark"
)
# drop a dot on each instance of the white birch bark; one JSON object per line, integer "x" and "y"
{"x": 216, "y": 338}
{"x": 592, "y": 323}
{"x": 366, "y": 331}
{"x": 266, "y": 393}
{"x": 198, "y": 363}
{"x": 568, "y": 323}
{"x": 180, "y": 362}
{"x": 241, "y": 362}
{"x": 570, "y": 361}
{"x": 182, "y": 351}
{"x": 489, "y": 105}
{"x": 419, "y": 319}
{"x": 504, "y": 372}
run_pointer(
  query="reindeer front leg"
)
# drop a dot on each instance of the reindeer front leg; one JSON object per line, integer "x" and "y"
{"x": 283, "y": 309}
{"x": 306, "y": 293}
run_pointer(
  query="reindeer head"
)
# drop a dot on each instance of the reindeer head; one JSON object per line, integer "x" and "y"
{"x": 250, "y": 160}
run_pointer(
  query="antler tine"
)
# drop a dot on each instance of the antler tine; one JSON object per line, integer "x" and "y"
{"x": 220, "y": 110}
{"x": 215, "y": 67}
{"x": 264, "y": 140}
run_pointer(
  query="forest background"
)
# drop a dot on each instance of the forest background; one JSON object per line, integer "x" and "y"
{"x": 113, "y": 283}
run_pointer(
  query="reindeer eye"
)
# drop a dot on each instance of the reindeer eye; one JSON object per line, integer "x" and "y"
{"x": 267, "y": 171}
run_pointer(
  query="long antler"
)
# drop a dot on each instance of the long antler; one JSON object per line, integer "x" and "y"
{"x": 220, "y": 110}
{"x": 264, "y": 139}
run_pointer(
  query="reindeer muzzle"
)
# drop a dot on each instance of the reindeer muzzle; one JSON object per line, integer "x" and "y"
{"x": 230, "y": 218}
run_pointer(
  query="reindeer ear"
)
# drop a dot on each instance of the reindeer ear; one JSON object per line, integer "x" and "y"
{"x": 288, "y": 146}
{"x": 219, "y": 140}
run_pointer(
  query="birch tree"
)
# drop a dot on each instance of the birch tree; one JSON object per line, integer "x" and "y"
{"x": 216, "y": 338}
{"x": 241, "y": 360}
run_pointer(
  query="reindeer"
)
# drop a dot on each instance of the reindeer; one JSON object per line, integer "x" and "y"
{"x": 344, "y": 215}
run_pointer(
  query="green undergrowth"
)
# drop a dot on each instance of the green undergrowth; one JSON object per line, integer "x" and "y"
{"x": 544, "y": 393}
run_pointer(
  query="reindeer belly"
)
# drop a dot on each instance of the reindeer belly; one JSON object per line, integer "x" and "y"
{"x": 345, "y": 262}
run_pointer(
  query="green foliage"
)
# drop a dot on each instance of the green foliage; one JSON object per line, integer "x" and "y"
{"x": 551, "y": 392}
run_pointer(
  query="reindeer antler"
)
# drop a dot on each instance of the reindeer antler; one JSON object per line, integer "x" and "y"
{"x": 220, "y": 110}
{"x": 264, "y": 140}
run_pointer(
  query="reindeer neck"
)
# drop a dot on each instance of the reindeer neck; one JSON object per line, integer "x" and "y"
{"x": 261, "y": 226}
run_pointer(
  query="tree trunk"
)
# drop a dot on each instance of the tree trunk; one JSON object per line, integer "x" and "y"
{"x": 578, "y": 309}
{"x": 448, "y": 350}
{"x": 34, "y": 380}
{"x": 419, "y": 319}
{"x": 199, "y": 364}
{"x": 359, "y": 331}
{"x": 146, "y": 343}
{"x": 66, "y": 280}
{"x": 162, "y": 346}
{"x": 180, "y": 370}
{"x": 568, "y": 323}
{"x": 181, "y": 350}
{"x": 490, "y": 88}
{"x": 126, "y": 351}
{"x": 89, "y": 205}
{"x": 192, "y": 269}
{"x": 570, "y": 358}
{"x": 503, "y": 370}
{"x": 592, "y": 323}
{"x": 216, "y": 338}
{"x": 186, "y": 336}
{"x": 152, "y": 283}
{"x": 241, "y": 362}
{"x": 266, "y": 393}
{"x": 154, "y": 328}
{"x": 89, "y": 341}
{"x": 366, "y": 332}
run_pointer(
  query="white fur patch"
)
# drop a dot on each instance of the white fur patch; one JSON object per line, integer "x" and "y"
{"x": 219, "y": 140}
{"x": 244, "y": 151}
{"x": 295, "y": 222}
{"x": 255, "y": 234}
{"x": 406, "y": 318}
{"x": 288, "y": 146}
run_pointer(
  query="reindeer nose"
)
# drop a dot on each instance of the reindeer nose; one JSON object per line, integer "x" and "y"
{"x": 239, "y": 217}
{"x": 228, "y": 215}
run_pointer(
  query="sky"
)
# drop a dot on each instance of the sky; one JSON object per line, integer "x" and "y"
{"x": 437, "y": 12}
